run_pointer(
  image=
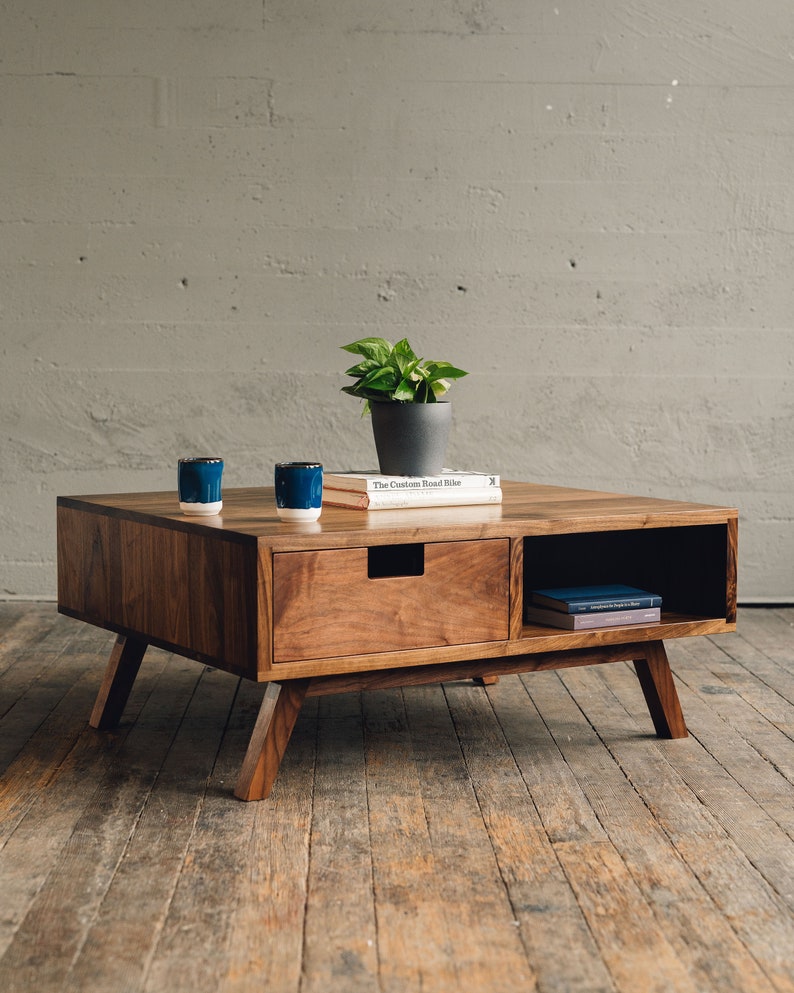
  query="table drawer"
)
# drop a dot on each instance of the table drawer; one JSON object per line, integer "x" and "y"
{"x": 356, "y": 601}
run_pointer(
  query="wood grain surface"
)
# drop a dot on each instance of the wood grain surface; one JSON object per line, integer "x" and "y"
{"x": 272, "y": 601}
{"x": 326, "y": 605}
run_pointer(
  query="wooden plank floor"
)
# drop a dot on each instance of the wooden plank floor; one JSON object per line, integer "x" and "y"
{"x": 531, "y": 835}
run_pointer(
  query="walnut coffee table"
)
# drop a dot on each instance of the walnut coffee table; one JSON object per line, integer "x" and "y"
{"x": 364, "y": 600}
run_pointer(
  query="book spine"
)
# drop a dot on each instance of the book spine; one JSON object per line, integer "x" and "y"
{"x": 398, "y": 499}
{"x": 344, "y": 498}
{"x": 449, "y": 482}
{"x": 600, "y": 606}
{"x": 583, "y": 622}
{"x": 651, "y": 615}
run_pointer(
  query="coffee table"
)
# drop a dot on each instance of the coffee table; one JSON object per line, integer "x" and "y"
{"x": 361, "y": 600}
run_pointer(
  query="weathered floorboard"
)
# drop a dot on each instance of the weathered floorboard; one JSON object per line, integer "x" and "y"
{"x": 533, "y": 834}
{"x": 502, "y": 738}
{"x": 644, "y": 784}
{"x": 469, "y": 881}
{"x": 266, "y": 943}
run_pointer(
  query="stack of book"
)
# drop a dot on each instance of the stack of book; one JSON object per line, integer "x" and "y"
{"x": 375, "y": 491}
{"x": 578, "y": 608}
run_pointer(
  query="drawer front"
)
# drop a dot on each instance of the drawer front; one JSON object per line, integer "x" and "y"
{"x": 356, "y": 601}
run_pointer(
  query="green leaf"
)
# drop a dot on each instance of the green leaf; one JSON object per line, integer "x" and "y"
{"x": 409, "y": 368}
{"x": 363, "y": 368}
{"x": 380, "y": 380}
{"x": 403, "y": 349}
{"x": 377, "y": 349}
{"x": 404, "y": 392}
{"x": 444, "y": 370}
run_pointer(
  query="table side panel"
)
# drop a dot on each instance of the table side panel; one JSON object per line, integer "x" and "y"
{"x": 192, "y": 592}
{"x": 88, "y": 553}
{"x": 264, "y": 610}
{"x": 516, "y": 587}
{"x": 154, "y": 569}
{"x": 731, "y": 570}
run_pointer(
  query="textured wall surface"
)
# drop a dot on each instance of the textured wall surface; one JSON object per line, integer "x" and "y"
{"x": 587, "y": 203}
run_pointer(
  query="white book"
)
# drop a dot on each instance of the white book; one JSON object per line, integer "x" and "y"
{"x": 375, "y": 482}
{"x": 397, "y": 499}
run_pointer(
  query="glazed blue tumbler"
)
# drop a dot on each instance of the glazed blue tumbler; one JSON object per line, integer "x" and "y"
{"x": 299, "y": 490}
{"x": 199, "y": 484}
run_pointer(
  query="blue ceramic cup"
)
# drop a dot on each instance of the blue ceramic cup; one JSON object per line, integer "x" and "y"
{"x": 299, "y": 490}
{"x": 199, "y": 483}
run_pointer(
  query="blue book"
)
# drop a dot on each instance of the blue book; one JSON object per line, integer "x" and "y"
{"x": 589, "y": 599}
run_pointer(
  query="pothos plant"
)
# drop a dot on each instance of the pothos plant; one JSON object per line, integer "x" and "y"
{"x": 395, "y": 374}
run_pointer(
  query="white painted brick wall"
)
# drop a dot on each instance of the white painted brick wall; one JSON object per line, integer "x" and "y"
{"x": 587, "y": 203}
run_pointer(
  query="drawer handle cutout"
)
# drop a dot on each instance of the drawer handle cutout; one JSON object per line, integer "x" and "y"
{"x": 385, "y": 561}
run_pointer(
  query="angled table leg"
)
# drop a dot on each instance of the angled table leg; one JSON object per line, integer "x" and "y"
{"x": 660, "y": 693}
{"x": 277, "y": 716}
{"x": 122, "y": 668}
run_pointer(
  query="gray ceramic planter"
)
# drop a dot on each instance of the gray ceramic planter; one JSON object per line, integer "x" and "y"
{"x": 411, "y": 438}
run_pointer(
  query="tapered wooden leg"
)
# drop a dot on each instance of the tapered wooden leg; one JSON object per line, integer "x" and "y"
{"x": 122, "y": 668}
{"x": 277, "y": 716}
{"x": 660, "y": 693}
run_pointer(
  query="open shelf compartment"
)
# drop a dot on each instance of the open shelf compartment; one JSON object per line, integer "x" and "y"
{"x": 688, "y": 566}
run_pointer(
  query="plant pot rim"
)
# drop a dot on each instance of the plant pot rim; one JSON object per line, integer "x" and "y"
{"x": 410, "y": 403}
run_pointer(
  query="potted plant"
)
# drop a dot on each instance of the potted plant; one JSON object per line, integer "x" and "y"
{"x": 405, "y": 396}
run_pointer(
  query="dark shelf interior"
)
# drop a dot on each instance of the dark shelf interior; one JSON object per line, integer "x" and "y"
{"x": 685, "y": 565}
